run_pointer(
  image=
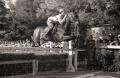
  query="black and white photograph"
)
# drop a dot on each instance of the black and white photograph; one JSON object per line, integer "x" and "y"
{"x": 59, "y": 38}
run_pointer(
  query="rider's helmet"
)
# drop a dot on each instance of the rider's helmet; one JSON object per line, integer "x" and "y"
{"x": 61, "y": 11}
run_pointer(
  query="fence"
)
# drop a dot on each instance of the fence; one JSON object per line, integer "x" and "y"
{"x": 109, "y": 57}
{"x": 34, "y": 64}
{"x": 70, "y": 67}
{"x": 39, "y": 63}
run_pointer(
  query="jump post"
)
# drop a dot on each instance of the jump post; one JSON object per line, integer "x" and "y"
{"x": 70, "y": 68}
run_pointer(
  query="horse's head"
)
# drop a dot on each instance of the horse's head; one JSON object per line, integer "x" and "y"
{"x": 70, "y": 23}
{"x": 70, "y": 17}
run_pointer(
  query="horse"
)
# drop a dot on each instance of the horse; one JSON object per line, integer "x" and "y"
{"x": 57, "y": 34}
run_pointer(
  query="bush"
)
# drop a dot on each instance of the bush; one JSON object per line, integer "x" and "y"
{"x": 20, "y": 32}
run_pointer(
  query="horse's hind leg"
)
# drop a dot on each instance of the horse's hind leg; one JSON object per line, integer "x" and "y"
{"x": 41, "y": 42}
{"x": 34, "y": 42}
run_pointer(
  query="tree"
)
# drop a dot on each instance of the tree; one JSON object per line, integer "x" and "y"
{"x": 27, "y": 14}
{"x": 32, "y": 13}
{"x": 114, "y": 13}
{"x": 3, "y": 15}
{"x": 24, "y": 11}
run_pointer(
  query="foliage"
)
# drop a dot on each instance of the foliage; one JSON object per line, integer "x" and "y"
{"x": 3, "y": 16}
{"x": 22, "y": 20}
{"x": 114, "y": 13}
{"x": 21, "y": 32}
{"x": 30, "y": 14}
{"x": 79, "y": 7}
{"x": 24, "y": 11}
{"x": 93, "y": 12}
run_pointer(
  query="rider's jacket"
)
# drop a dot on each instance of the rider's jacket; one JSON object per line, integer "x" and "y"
{"x": 54, "y": 19}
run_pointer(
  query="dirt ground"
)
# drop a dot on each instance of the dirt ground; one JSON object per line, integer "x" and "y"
{"x": 80, "y": 74}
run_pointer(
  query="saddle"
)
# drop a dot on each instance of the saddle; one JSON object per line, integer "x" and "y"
{"x": 51, "y": 34}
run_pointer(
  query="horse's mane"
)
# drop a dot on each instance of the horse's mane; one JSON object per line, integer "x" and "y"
{"x": 67, "y": 25}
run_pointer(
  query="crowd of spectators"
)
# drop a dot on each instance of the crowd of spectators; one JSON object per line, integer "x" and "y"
{"x": 19, "y": 43}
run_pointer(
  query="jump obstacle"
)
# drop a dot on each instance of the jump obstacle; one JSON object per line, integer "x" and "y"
{"x": 72, "y": 67}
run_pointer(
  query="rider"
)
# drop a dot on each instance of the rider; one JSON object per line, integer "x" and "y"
{"x": 52, "y": 20}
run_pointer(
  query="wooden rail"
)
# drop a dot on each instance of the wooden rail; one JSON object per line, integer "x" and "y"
{"x": 14, "y": 62}
{"x": 36, "y": 49}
